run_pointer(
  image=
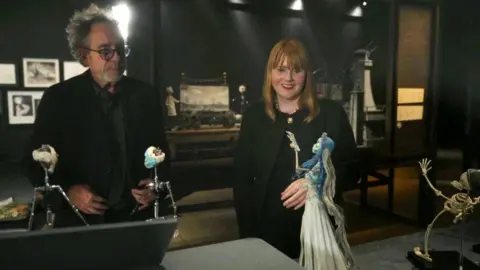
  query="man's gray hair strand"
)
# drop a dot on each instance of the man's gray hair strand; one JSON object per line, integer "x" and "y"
{"x": 80, "y": 24}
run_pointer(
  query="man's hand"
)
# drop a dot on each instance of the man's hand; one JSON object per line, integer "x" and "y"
{"x": 295, "y": 194}
{"x": 143, "y": 196}
{"x": 84, "y": 199}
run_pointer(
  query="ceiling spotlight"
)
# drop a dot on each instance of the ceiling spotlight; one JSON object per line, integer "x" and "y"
{"x": 297, "y": 5}
{"x": 356, "y": 12}
{"x": 121, "y": 12}
{"x": 364, "y": 3}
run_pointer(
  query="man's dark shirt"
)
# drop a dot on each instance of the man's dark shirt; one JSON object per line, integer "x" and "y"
{"x": 119, "y": 176}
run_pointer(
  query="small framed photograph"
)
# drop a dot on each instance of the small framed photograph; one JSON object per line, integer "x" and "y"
{"x": 8, "y": 74}
{"x": 196, "y": 98}
{"x": 22, "y": 106}
{"x": 72, "y": 69}
{"x": 40, "y": 73}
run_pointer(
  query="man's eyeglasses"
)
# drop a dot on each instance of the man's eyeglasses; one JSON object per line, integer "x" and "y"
{"x": 108, "y": 53}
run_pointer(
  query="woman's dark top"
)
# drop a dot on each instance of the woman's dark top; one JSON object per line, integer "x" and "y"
{"x": 284, "y": 167}
{"x": 277, "y": 220}
{"x": 265, "y": 164}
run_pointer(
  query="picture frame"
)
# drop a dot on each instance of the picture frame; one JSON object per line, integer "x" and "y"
{"x": 72, "y": 69}
{"x": 2, "y": 104}
{"x": 22, "y": 106}
{"x": 40, "y": 72}
{"x": 8, "y": 74}
{"x": 194, "y": 98}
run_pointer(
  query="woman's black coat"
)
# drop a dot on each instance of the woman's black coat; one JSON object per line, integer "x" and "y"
{"x": 259, "y": 141}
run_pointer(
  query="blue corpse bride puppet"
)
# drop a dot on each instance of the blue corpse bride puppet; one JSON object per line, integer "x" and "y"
{"x": 324, "y": 246}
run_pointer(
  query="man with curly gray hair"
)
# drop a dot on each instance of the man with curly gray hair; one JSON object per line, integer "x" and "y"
{"x": 89, "y": 33}
{"x": 100, "y": 123}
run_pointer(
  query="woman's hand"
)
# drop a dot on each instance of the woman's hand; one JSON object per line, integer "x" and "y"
{"x": 295, "y": 194}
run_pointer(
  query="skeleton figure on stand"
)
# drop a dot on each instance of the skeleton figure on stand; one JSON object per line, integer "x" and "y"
{"x": 459, "y": 204}
{"x": 48, "y": 158}
{"x": 153, "y": 157}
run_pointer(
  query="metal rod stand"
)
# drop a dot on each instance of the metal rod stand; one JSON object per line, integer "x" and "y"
{"x": 158, "y": 186}
{"x": 47, "y": 189}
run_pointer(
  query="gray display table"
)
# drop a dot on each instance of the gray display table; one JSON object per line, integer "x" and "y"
{"x": 251, "y": 254}
{"x": 255, "y": 254}
{"x": 390, "y": 254}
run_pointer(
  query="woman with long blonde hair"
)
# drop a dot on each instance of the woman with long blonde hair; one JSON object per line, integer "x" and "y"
{"x": 269, "y": 205}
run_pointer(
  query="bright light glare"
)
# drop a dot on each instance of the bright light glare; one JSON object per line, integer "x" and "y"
{"x": 356, "y": 12}
{"x": 364, "y": 3}
{"x": 121, "y": 12}
{"x": 297, "y": 5}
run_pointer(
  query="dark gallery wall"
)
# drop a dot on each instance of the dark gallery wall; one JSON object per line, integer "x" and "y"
{"x": 455, "y": 38}
{"x": 459, "y": 98}
{"x": 203, "y": 39}
{"x": 200, "y": 38}
{"x": 35, "y": 29}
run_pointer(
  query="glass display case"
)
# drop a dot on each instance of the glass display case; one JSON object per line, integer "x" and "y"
{"x": 353, "y": 90}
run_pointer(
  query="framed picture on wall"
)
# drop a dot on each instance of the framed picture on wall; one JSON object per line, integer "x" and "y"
{"x": 195, "y": 98}
{"x": 8, "y": 74}
{"x": 2, "y": 105}
{"x": 22, "y": 106}
{"x": 72, "y": 69}
{"x": 40, "y": 73}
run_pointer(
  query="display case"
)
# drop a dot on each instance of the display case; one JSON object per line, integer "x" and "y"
{"x": 206, "y": 133}
{"x": 205, "y": 103}
{"x": 353, "y": 90}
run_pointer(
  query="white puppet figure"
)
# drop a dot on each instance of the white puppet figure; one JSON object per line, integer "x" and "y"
{"x": 171, "y": 102}
{"x": 324, "y": 245}
{"x": 46, "y": 156}
{"x": 243, "y": 101}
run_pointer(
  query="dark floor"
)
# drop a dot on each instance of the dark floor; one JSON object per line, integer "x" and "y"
{"x": 208, "y": 217}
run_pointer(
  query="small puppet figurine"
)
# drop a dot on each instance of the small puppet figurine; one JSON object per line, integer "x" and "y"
{"x": 153, "y": 157}
{"x": 324, "y": 246}
{"x": 46, "y": 156}
{"x": 243, "y": 102}
{"x": 170, "y": 101}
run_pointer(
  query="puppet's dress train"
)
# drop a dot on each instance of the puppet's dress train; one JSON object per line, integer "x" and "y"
{"x": 319, "y": 246}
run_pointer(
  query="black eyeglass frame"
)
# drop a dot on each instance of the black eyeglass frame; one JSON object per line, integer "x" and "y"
{"x": 108, "y": 53}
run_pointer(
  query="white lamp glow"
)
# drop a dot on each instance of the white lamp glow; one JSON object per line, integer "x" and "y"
{"x": 356, "y": 12}
{"x": 297, "y": 5}
{"x": 121, "y": 12}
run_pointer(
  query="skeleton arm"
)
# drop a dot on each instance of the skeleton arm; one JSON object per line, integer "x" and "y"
{"x": 475, "y": 201}
{"x": 425, "y": 167}
{"x": 295, "y": 147}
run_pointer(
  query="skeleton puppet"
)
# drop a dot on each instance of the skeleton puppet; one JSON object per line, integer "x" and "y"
{"x": 460, "y": 204}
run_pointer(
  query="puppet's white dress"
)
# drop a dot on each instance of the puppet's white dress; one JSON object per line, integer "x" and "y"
{"x": 324, "y": 245}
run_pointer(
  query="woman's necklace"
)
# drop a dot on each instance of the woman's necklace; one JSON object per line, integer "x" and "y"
{"x": 289, "y": 118}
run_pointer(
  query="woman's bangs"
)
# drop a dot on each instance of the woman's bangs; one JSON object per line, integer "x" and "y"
{"x": 294, "y": 60}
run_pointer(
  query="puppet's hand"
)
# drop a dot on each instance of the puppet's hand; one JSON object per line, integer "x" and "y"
{"x": 295, "y": 194}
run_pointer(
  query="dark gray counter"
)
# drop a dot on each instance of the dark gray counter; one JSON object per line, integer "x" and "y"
{"x": 251, "y": 254}
{"x": 255, "y": 254}
{"x": 389, "y": 254}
